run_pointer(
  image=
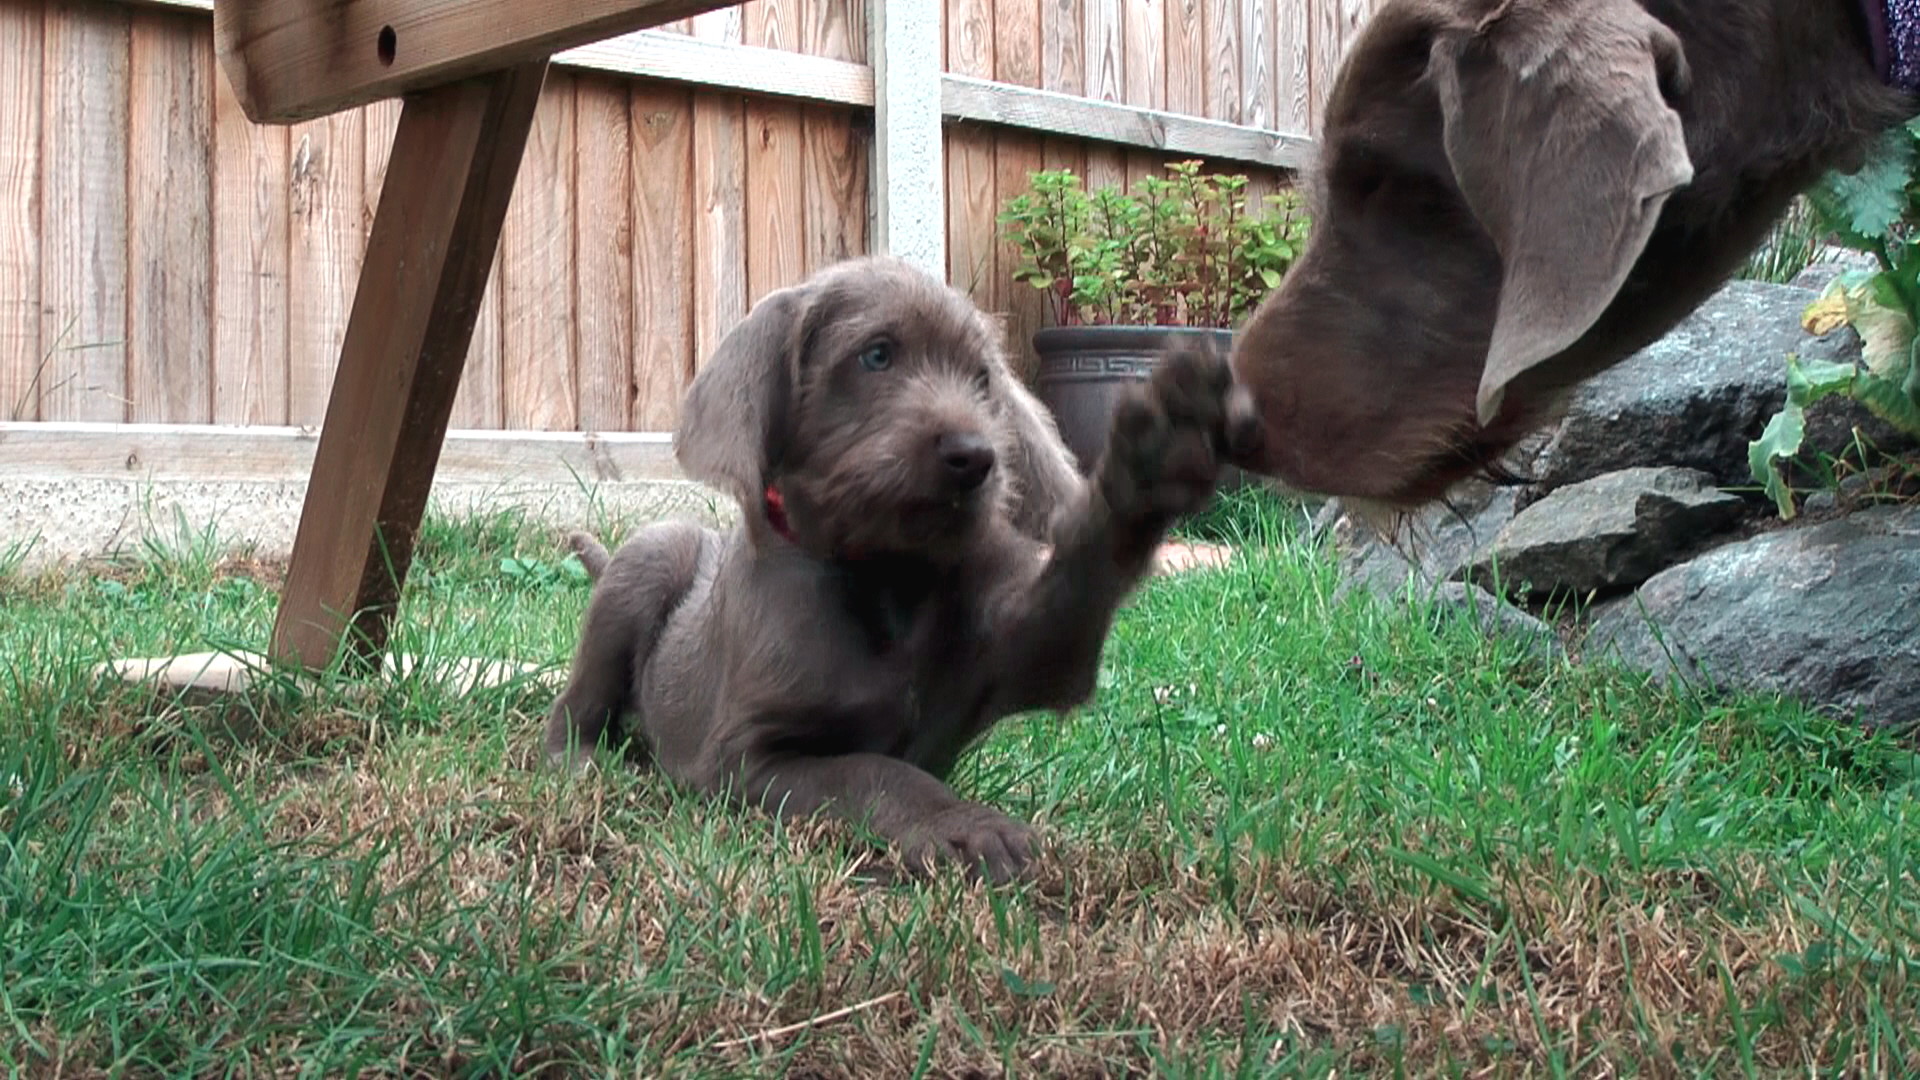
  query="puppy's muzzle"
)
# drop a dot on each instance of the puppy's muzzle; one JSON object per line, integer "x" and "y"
{"x": 965, "y": 460}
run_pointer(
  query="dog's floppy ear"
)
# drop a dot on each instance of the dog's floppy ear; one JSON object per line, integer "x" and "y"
{"x": 1561, "y": 137}
{"x": 733, "y": 420}
{"x": 1044, "y": 473}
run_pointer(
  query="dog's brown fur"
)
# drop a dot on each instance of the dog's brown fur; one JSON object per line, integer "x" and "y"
{"x": 1513, "y": 195}
{"x": 847, "y": 667}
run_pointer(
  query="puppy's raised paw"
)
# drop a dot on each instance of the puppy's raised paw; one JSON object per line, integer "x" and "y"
{"x": 980, "y": 838}
{"x": 1168, "y": 437}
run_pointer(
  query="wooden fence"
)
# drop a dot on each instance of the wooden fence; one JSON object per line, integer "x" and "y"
{"x": 162, "y": 259}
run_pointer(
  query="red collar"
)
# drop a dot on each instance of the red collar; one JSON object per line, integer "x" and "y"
{"x": 776, "y": 507}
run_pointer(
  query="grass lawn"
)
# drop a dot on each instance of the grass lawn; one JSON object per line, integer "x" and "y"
{"x": 1294, "y": 835}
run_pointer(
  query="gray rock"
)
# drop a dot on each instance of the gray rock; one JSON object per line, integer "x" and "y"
{"x": 1613, "y": 531}
{"x": 1497, "y": 618}
{"x": 1425, "y": 548}
{"x": 1828, "y": 614}
{"x": 1698, "y": 395}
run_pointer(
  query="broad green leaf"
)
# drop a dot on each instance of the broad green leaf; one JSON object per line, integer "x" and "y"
{"x": 1866, "y": 204}
{"x": 1781, "y": 439}
{"x": 1810, "y": 380}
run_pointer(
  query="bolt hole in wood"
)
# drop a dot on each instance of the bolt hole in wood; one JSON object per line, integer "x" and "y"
{"x": 388, "y": 40}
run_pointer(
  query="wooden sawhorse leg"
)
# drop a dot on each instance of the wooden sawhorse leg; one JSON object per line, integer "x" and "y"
{"x": 455, "y": 156}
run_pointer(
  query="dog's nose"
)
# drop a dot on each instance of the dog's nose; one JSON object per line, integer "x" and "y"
{"x": 968, "y": 458}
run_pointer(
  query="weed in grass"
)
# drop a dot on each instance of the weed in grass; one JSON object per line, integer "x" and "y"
{"x": 1297, "y": 833}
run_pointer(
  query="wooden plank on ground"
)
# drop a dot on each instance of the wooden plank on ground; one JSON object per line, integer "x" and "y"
{"x": 300, "y": 59}
{"x": 83, "y": 188}
{"x": 250, "y": 211}
{"x": 169, "y": 221}
{"x": 775, "y": 198}
{"x": 603, "y": 254}
{"x": 1104, "y": 50}
{"x": 1293, "y": 66}
{"x": 1220, "y": 24}
{"x": 536, "y": 273}
{"x": 20, "y": 95}
{"x": 454, "y": 164}
{"x": 663, "y": 257}
{"x": 1145, "y": 40}
{"x": 225, "y": 453}
{"x": 1186, "y": 58}
{"x": 1062, "y": 114}
{"x": 838, "y": 149}
{"x": 1063, "y": 46}
{"x": 1256, "y": 63}
{"x": 326, "y": 179}
{"x": 719, "y": 219}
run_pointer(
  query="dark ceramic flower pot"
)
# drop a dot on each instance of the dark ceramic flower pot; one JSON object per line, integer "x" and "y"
{"x": 1084, "y": 369}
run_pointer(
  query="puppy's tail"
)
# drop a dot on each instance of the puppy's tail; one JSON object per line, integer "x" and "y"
{"x": 591, "y": 553}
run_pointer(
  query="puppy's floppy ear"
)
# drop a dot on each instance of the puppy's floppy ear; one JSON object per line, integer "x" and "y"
{"x": 733, "y": 420}
{"x": 1562, "y": 140}
{"x": 1044, "y": 473}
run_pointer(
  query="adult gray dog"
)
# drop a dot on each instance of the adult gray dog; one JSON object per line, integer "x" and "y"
{"x": 917, "y": 558}
{"x": 1514, "y": 195}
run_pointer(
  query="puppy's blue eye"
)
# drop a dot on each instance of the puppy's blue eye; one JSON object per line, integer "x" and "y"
{"x": 877, "y": 358}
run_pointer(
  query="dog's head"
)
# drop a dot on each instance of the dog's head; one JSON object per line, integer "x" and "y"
{"x": 1490, "y": 171}
{"x": 872, "y": 406}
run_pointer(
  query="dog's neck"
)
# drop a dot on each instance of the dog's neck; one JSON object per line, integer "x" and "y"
{"x": 1893, "y": 31}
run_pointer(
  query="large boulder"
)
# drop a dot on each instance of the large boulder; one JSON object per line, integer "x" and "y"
{"x": 1611, "y": 532}
{"x": 1424, "y": 548}
{"x": 1698, "y": 395}
{"x": 1828, "y": 614}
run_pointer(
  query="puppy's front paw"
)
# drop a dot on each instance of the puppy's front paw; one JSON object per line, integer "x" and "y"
{"x": 979, "y": 837}
{"x": 1168, "y": 437}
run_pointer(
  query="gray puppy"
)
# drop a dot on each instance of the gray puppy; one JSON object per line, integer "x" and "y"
{"x": 917, "y": 558}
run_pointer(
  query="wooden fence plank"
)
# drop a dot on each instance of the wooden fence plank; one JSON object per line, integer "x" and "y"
{"x": 603, "y": 254}
{"x": 1326, "y": 42}
{"x": 719, "y": 223}
{"x": 836, "y": 179}
{"x": 970, "y": 211}
{"x": 1220, "y": 29}
{"x": 169, "y": 221}
{"x": 965, "y": 98}
{"x": 250, "y": 214}
{"x": 1016, "y": 41}
{"x": 1293, "y": 67}
{"x": 663, "y": 258}
{"x": 480, "y": 403}
{"x": 83, "y": 185}
{"x": 1063, "y": 45}
{"x": 775, "y": 198}
{"x": 1104, "y": 50}
{"x": 835, "y": 29}
{"x": 536, "y": 272}
{"x": 326, "y": 178}
{"x": 1016, "y": 158}
{"x": 1145, "y": 65}
{"x": 1186, "y": 58}
{"x": 379, "y": 122}
{"x": 1256, "y": 63}
{"x": 20, "y": 90}
{"x": 1106, "y": 166}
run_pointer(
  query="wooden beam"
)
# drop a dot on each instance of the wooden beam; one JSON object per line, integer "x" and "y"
{"x": 456, "y": 155}
{"x": 909, "y": 166}
{"x": 965, "y": 98}
{"x": 224, "y": 453}
{"x": 291, "y": 60}
{"x": 750, "y": 69}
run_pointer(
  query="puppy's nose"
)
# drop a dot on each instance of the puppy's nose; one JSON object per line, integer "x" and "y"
{"x": 967, "y": 458}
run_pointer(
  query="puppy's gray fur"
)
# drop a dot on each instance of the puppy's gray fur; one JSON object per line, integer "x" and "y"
{"x": 844, "y": 664}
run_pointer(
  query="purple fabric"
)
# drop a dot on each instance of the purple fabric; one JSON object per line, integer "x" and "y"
{"x": 1893, "y": 27}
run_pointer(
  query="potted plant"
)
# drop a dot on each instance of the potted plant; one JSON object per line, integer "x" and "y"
{"x": 1126, "y": 274}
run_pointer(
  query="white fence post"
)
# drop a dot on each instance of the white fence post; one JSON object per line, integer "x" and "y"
{"x": 909, "y": 168}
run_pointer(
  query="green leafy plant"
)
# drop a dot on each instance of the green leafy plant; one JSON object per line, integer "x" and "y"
{"x": 1877, "y": 211}
{"x": 1183, "y": 249}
